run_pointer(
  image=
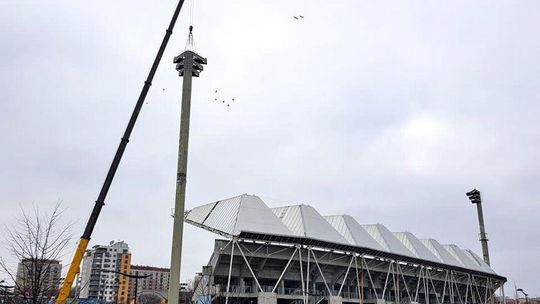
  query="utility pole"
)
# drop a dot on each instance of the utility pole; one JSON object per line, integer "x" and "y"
{"x": 474, "y": 196}
{"x": 189, "y": 65}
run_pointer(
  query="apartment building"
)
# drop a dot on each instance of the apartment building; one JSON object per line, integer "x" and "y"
{"x": 48, "y": 270}
{"x": 100, "y": 276}
{"x": 157, "y": 282}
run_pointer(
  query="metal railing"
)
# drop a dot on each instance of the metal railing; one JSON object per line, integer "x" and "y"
{"x": 247, "y": 289}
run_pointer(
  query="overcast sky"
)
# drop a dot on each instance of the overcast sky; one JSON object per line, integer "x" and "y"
{"x": 385, "y": 110}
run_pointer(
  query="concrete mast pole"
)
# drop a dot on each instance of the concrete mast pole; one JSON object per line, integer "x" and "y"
{"x": 483, "y": 236}
{"x": 476, "y": 198}
{"x": 188, "y": 64}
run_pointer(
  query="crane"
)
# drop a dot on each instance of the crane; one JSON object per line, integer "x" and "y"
{"x": 100, "y": 202}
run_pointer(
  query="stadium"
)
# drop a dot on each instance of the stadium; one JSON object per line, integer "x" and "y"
{"x": 294, "y": 255}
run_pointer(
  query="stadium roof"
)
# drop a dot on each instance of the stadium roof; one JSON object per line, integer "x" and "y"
{"x": 248, "y": 216}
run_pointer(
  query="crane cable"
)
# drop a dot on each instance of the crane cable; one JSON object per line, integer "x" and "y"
{"x": 190, "y": 44}
{"x": 191, "y": 9}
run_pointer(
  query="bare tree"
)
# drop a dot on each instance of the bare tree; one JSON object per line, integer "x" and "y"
{"x": 192, "y": 284}
{"x": 200, "y": 289}
{"x": 36, "y": 241}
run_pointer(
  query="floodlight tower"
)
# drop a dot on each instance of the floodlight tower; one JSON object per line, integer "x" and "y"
{"x": 474, "y": 196}
{"x": 188, "y": 64}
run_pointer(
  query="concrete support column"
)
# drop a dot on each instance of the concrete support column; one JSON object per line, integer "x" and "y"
{"x": 242, "y": 284}
{"x": 335, "y": 300}
{"x": 267, "y": 298}
{"x": 189, "y": 65}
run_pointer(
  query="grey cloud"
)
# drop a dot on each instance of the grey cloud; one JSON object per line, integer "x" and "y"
{"x": 388, "y": 111}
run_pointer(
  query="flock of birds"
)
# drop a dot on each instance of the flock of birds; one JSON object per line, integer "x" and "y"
{"x": 216, "y": 99}
{"x": 229, "y": 102}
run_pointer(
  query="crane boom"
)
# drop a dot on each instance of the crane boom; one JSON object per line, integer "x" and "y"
{"x": 85, "y": 238}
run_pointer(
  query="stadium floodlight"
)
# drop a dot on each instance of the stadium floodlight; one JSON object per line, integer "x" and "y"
{"x": 474, "y": 196}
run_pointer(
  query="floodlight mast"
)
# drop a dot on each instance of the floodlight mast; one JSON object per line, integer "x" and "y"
{"x": 188, "y": 64}
{"x": 474, "y": 196}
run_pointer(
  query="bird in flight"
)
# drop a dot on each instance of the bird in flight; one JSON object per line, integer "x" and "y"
{"x": 217, "y": 98}
{"x": 298, "y": 17}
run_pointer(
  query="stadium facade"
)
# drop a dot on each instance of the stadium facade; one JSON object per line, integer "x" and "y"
{"x": 293, "y": 255}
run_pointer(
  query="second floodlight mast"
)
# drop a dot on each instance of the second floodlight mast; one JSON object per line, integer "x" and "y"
{"x": 188, "y": 64}
{"x": 474, "y": 196}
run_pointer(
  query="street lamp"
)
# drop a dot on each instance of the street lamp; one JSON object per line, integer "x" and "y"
{"x": 5, "y": 287}
{"x": 525, "y": 294}
{"x": 136, "y": 277}
{"x": 5, "y": 291}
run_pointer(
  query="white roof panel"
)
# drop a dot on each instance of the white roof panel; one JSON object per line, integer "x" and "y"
{"x": 442, "y": 254}
{"x": 255, "y": 216}
{"x": 465, "y": 259}
{"x": 223, "y": 215}
{"x": 485, "y": 267}
{"x": 353, "y": 232}
{"x": 200, "y": 213}
{"x": 304, "y": 220}
{"x": 241, "y": 213}
{"x": 248, "y": 213}
{"x": 387, "y": 240}
{"x": 415, "y": 246}
{"x": 339, "y": 224}
{"x": 291, "y": 218}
